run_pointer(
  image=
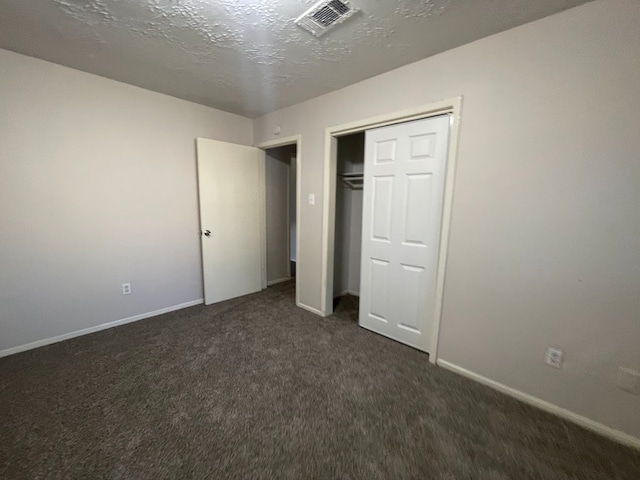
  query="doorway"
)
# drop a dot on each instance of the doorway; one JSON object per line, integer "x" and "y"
{"x": 452, "y": 108}
{"x": 280, "y": 210}
{"x": 348, "y": 222}
{"x": 281, "y": 173}
{"x": 234, "y": 215}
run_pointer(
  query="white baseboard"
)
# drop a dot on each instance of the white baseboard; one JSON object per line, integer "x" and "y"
{"x": 97, "y": 328}
{"x": 311, "y": 309}
{"x": 279, "y": 280}
{"x": 599, "y": 428}
{"x": 347, "y": 292}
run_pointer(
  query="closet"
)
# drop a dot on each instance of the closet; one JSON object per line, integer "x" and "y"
{"x": 348, "y": 220}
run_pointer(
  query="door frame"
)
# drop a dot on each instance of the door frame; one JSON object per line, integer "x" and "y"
{"x": 452, "y": 106}
{"x": 279, "y": 142}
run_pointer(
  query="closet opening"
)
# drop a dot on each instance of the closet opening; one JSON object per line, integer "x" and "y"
{"x": 406, "y": 201}
{"x": 348, "y": 223}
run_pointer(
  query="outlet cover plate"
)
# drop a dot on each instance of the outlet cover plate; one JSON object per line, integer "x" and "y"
{"x": 554, "y": 357}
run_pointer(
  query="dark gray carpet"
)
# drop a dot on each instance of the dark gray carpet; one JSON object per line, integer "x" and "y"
{"x": 255, "y": 388}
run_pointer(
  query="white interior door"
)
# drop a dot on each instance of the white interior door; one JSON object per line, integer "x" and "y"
{"x": 229, "y": 189}
{"x": 405, "y": 167}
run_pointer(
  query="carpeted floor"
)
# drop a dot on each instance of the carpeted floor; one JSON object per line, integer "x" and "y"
{"x": 255, "y": 388}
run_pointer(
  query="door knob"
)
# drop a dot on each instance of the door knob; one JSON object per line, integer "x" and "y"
{"x": 207, "y": 233}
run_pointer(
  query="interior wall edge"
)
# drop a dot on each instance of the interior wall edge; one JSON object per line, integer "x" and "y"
{"x": 311, "y": 309}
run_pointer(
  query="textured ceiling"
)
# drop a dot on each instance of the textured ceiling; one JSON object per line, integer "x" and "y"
{"x": 247, "y": 56}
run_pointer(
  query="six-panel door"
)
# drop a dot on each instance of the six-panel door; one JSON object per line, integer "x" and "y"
{"x": 405, "y": 167}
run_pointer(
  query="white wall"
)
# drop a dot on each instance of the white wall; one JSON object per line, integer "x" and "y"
{"x": 348, "y": 241}
{"x": 277, "y": 177}
{"x": 342, "y": 241}
{"x": 355, "y": 242}
{"x": 97, "y": 188}
{"x": 545, "y": 239}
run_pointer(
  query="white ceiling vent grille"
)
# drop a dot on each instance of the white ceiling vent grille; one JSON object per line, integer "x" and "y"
{"x": 325, "y": 15}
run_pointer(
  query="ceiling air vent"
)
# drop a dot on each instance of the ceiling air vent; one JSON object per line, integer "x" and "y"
{"x": 325, "y": 15}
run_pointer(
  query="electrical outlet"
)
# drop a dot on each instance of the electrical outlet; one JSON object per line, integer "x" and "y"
{"x": 126, "y": 288}
{"x": 553, "y": 357}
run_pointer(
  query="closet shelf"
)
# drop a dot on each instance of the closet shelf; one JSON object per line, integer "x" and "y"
{"x": 353, "y": 181}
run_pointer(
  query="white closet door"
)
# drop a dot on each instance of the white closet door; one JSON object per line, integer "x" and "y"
{"x": 229, "y": 190}
{"x": 405, "y": 167}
